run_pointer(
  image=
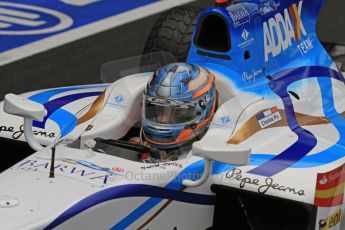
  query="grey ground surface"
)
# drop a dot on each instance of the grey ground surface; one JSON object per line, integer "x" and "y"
{"x": 79, "y": 62}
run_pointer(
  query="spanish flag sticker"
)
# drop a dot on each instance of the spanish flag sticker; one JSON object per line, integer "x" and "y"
{"x": 330, "y": 188}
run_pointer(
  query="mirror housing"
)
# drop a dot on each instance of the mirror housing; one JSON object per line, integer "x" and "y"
{"x": 23, "y": 107}
{"x": 214, "y": 148}
{"x": 29, "y": 110}
{"x": 211, "y": 149}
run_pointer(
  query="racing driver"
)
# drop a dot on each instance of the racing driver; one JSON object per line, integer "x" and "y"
{"x": 178, "y": 105}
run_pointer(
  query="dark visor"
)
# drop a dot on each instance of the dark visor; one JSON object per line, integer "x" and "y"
{"x": 169, "y": 114}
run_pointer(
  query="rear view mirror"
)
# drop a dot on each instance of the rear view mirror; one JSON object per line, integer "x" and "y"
{"x": 214, "y": 149}
{"x": 24, "y": 107}
{"x": 29, "y": 110}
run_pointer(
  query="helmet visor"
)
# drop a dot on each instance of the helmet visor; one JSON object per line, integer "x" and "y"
{"x": 167, "y": 111}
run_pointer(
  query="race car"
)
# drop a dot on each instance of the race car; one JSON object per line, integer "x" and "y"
{"x": 247, "y": 134}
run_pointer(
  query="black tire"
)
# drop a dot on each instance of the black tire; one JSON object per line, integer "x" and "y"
{"x": 173, "y": 32}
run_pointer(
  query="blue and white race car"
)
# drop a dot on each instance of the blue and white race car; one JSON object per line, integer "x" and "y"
{"x": 263, "y": 114}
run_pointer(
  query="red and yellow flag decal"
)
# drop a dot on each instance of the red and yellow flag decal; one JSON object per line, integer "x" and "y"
{"x": 330, "y": 188}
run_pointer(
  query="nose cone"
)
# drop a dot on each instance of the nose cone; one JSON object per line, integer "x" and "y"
{"x": 30, "y": 199}
{"x": 33, "y": 200}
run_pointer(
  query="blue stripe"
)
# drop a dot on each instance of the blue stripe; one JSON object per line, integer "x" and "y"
{"x": 336, "y": 151}
{"x": 156, "y": 194}
{"x": 45, "y": 96}
{"x": 306, "y": 140}
{"x": 176, "y": 184}
{"x": 329, "y": 155}
{"x": 64, "y": 119}
{"x": 193, "y": 171}
{"x": 54, "y": 105}
{"x": 137, "y": 213}
{"x": 133, "y": 190}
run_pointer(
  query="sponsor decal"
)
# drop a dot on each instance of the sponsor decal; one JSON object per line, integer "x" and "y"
{"x": 268, "y": 117}
{"x": 264, "y": 186}
{"x": 305, "y": 46}
{"x": 119, "y": 99}
{"x": 247, "y": 39}
{"x": 330, "y": 188}
{"x": 117, "y": 102}
{"x": 331, "y": 221}
{"x": 239, "y": 16}
{"x": 165, "y": 101}
{"x": 245, "y": 34}
{"x": 323, "y": 181}
{"x": 18, "y": 133}
{"x": 268, "y": 6}
{"x": 117, "y": 171}
{"x": 223, "y": 122}
{"x": 169, "y": 102}
{"x": 225, "y": 119}
{"x": 72, "y": 169}
{"x": 251, "y": 76}
{"x": 279, "y": 31}
{"x": 163, "y": 165}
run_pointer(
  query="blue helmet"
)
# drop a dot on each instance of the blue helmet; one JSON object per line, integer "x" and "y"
{"x": 178, "y": 105}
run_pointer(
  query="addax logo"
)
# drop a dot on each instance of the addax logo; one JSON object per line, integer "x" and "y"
{"x": 22, "y": 19}
{"x": 281, "y": 29}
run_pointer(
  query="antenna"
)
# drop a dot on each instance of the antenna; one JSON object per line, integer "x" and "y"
{"x": 52, "y": 166}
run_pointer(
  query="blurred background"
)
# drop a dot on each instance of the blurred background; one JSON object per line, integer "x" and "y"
{"x": 79, "y": 62}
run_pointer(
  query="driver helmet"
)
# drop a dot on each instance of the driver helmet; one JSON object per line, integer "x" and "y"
{"x": 178, "y": 105}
